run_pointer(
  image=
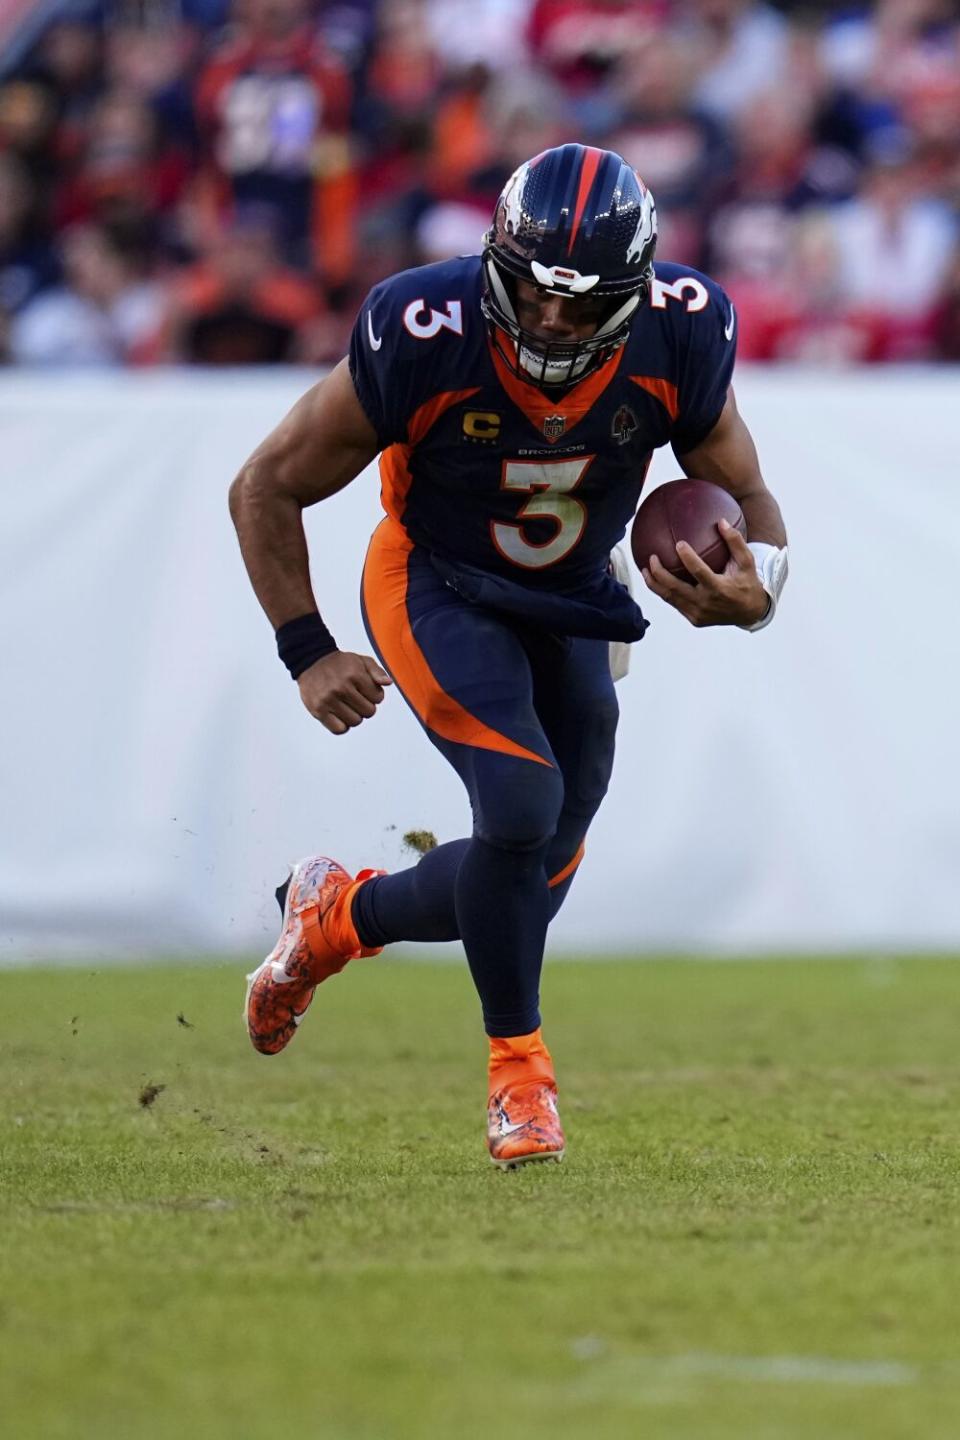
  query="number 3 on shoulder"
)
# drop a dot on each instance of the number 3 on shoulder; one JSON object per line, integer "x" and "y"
{"x": 423, "y": 322}
{"x": 661, "y": 292}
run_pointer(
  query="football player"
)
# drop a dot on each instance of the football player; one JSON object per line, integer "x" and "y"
{"x": 515, "y": 398}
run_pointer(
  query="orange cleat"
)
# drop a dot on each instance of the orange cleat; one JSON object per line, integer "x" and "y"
{"x": 523, "y": 1123}
{"x": 317, "y": 939}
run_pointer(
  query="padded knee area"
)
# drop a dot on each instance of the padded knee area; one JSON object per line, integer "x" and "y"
{"x": 516, "y": 807}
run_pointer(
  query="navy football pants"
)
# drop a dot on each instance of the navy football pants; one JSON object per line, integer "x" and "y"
{"x": 527, "y": 720}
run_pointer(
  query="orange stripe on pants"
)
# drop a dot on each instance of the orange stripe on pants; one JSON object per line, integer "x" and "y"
{"x": 385, "y": 600}
{"x": 568, "y": 869}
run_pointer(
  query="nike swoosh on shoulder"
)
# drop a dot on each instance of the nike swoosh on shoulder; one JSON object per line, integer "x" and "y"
{"x": 375, "y": 341}
{"x": 728, "y": 329}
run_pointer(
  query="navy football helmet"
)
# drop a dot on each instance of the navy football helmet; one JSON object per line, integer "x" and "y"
{"x": 573, "y": 221}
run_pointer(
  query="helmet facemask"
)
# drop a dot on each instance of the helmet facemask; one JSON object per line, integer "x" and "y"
{"x": 553, "y": 363}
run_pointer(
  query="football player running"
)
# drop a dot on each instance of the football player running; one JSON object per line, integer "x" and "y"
{"x": 515, "y": 398}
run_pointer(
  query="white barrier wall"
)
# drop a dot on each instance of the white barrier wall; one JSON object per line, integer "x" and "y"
{"x": 794, "y": 789}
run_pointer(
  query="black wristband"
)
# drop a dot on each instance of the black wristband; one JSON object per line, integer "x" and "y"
{"x": 302, "y": 641}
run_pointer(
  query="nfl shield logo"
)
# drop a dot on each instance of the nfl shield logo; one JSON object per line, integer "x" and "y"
{"x": 554, "y": 426}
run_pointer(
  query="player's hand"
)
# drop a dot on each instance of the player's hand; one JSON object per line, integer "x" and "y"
{"x": 342, "y": 690}
{"x": 736, "y": 597}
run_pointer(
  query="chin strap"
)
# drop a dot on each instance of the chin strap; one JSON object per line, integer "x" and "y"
{"x": 772, "y": 569}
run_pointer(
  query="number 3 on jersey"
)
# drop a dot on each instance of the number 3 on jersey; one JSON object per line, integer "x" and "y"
{"x": 550, "y": 482}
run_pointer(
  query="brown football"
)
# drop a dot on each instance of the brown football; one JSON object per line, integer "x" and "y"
{"x": 684, "y": 510}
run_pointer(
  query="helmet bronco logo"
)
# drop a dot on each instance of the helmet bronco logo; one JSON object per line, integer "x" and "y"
{"x": 646, "y": 231}
{"x": 513, "y": 200}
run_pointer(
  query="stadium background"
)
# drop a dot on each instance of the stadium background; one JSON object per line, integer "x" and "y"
{"x": 200, "y": 192}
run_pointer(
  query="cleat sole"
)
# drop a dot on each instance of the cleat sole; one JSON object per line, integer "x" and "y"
{"x": 538, "y": 1156}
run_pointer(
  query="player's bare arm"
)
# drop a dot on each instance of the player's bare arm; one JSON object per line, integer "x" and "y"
{"x": 726, "y": 457}
{"x": 318, "y": 448}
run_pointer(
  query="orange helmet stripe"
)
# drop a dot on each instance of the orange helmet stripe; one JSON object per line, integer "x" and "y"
{"x": 591, "y": 164}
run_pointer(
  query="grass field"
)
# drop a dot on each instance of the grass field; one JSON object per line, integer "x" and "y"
{"x": 756, "y": 1233}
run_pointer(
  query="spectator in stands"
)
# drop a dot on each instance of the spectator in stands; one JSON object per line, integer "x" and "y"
{"x": 524, "y": 114}
{"x": 155, "y": 63}
{"x": 395, "y": 120}
{"x": 797, "y": 311}
{"x": 68, "y": 62}
{"x": 347, "y": 28}
{"x": 461, "y": 141}
{"x": 877, "y": 58}
{"x": 931, "y": 112}
{"x": 27, "y": 261}
{"x": 683, "y": 153}
{"x": 946, "y": 315}
{"x": 490, "y": 33}
{"x": 895, "y": 245}
{"x": 125, "y": 169}
{"x": 748, "y": 249}
{"x": 741, "y": 48}
{"x": 241, "y": 305}
{"x": 778, "y": 171}
{"x": 777, "y": 160}
{"x": 28, "y": 126}
{"x": 208, "y": 15}
{"x": 749, "y": 231}
{"x": 579, "y": 42}
{"x": 872, "y": 49}
{"x": 449, "y": 229}
{"x": 403, "y": 78}
{"x": 105, "y": 312}
{"x": 273, "y": 106}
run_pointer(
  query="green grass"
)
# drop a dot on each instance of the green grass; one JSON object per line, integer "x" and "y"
{"x": 755, "y": 1236}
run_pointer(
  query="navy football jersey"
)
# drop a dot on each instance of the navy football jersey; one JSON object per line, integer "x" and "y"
{"x": 491, "y": 473}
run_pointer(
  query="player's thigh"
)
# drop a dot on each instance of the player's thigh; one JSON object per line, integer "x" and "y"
{"x": 468, "y": 679}
{"x": 577, "y": 706}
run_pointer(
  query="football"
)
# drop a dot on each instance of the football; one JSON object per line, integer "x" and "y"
{"x": 684, "y": 510}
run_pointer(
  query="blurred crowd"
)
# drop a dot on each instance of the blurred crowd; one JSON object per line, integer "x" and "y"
{"x": 221, "y": 181}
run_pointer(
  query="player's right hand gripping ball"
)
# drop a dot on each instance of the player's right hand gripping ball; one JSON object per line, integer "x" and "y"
{"x": 685, "y": 510}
